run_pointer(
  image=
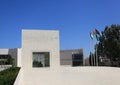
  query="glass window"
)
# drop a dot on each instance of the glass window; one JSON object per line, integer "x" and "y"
{"x": 41, "y": 59}
{"x": 77, "y": 59}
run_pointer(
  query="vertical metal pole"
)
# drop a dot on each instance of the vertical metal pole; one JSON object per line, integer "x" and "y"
{"x": 96, "y": 55}
{"x": 91, "y": 53}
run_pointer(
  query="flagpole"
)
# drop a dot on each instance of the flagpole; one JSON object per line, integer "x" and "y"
{"x": 96, "y": 56}
{"x": 95, "y": 32}
{"x": 91, "y": 49}
{"x": 91, "y": 52}
{"x": 98, "y": 33}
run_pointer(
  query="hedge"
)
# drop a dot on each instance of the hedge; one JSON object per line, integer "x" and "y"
{"x": 8, "y": 76}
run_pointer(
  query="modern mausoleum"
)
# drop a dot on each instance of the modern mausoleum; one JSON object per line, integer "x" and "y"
{"x": 42, "y": 63}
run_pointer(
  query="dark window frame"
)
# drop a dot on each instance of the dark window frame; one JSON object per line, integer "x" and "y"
{"x": 43, "y": 59}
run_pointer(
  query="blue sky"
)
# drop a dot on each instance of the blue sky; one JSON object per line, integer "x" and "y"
{"x": 73, "y": 18}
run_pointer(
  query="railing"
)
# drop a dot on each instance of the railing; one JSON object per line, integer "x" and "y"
{"x": 3, "y": 67}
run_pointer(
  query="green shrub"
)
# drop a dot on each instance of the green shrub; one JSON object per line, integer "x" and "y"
{"x": 8, "y": 76}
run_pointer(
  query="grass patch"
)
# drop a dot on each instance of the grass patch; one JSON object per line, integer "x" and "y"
{"x": 8, "y": 76}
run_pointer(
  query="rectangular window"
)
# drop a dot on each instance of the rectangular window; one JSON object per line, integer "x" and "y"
{"x": 77, "y": 59}
{"x": 41, "y": 59}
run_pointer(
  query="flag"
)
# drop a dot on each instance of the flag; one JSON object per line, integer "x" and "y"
{"x": 91, "y": 35}
{"x": 97, "y": 32}
{"x": 94, "y": 33}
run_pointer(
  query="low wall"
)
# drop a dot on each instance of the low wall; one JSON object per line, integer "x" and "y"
{"x": 18, "y": 78}
{"x": 73, "y": 76}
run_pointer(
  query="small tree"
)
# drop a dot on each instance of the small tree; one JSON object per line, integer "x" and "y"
{"x": 10, "y": 60}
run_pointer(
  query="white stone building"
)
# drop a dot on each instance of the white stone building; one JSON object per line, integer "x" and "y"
{"x": 40, "y": 64}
